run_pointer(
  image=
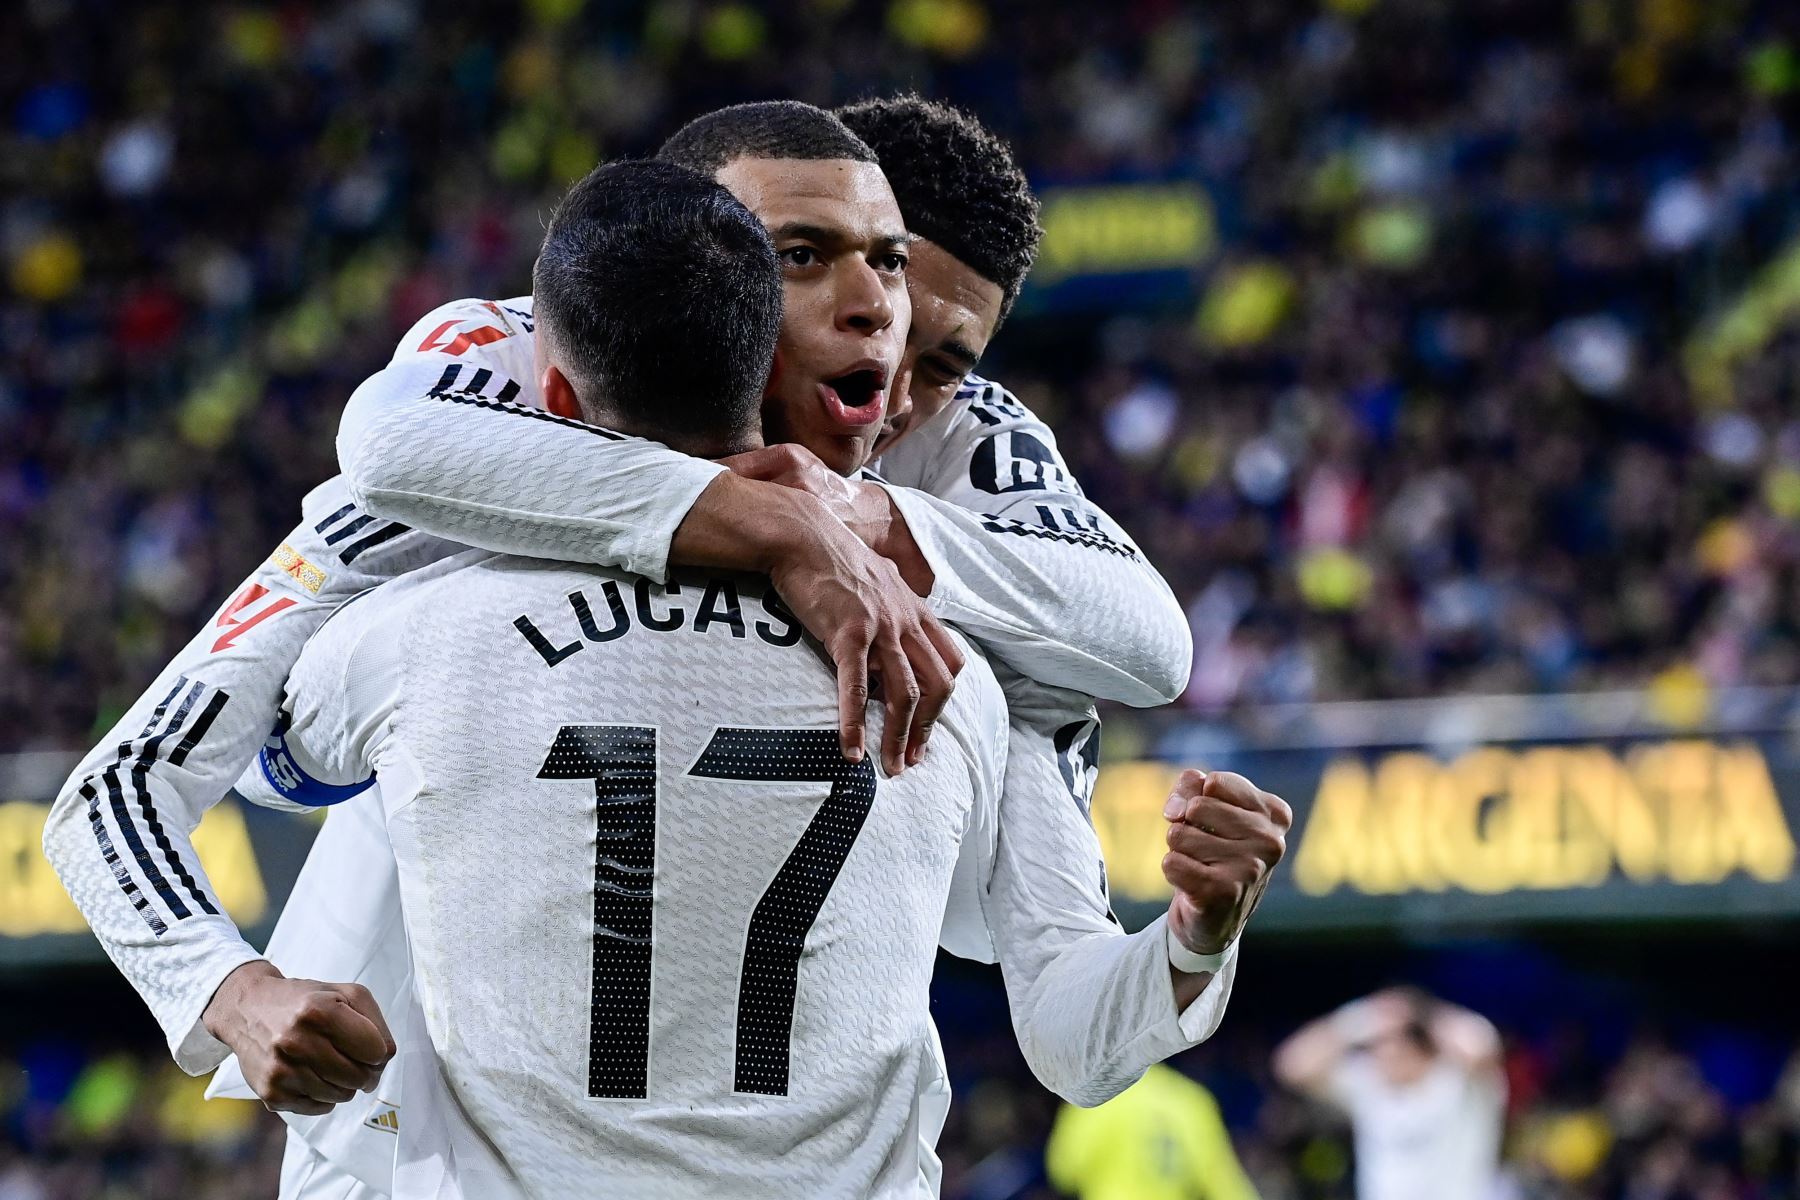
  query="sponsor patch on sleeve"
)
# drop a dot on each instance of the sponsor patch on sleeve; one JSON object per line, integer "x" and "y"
{"x": 460, "y": 334}
{"x": 290, "y": 561}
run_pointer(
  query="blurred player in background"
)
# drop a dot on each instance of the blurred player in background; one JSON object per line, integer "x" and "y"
{"x": 1420, "y": 1080}
{"x": 1159, "y": 1139}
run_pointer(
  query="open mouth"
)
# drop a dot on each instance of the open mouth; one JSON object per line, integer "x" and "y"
{"x": 856, "y": 399}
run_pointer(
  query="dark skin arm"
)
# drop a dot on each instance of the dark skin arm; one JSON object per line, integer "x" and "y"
{"x": 866, "y": 508}
{"x": 851, "y": 598}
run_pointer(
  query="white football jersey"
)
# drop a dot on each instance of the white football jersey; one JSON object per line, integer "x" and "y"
{"x": 666, "y": 941}
{"x": 1026, "y": 565}
{"x": 443, "y": 439}
{"x": 1437, "y": 1138}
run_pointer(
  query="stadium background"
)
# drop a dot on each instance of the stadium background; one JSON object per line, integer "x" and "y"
{"x": 1434, "y": 350}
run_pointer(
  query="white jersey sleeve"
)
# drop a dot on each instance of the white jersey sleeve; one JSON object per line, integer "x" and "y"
{"x": 451, "y": 437}
{"x": 1093, "y": 1007}
{"x": 1026, "y": 563}
{"x": 443, "y": 439}
{"x": 119, "y": 833}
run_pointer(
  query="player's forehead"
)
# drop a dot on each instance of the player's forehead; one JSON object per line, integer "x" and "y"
{"x": 953, "y": 304}
{"x": 849, "y": 199}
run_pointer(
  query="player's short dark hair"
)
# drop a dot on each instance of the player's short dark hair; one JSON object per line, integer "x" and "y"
{"x": 1421, "y": 1009}
{"x": 957, "y": 184}
{"x": 763, "y": 129}
{"x": 659, "y": 295}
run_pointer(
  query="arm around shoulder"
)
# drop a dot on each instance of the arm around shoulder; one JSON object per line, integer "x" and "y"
{"x": 1025, "y": 563}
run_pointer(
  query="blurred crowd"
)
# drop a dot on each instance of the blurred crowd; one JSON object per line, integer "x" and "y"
{"x": 1483, "y": 388}
{"x": 1654, "y": 1122}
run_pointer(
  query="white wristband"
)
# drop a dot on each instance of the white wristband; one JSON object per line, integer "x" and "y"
{"x": 1183, "y": 959}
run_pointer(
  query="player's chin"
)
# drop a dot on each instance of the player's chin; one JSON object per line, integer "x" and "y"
{"x": 845, "y": 454}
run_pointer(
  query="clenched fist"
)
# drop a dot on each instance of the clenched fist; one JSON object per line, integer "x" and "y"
{"x": 304, "y": 1046}
{"x": 1225, "y": 837}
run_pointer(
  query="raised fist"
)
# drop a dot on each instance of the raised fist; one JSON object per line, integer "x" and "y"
{"x": 1225, "y": 837}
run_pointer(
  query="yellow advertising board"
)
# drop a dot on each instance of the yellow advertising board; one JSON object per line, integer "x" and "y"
{"x": 1492, "y": 821}
{"x": 1123, "y": 228}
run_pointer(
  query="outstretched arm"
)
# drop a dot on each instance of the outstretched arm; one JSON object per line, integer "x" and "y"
{"x": 120, "y": 831}
{"x": 1094, "y": 1007}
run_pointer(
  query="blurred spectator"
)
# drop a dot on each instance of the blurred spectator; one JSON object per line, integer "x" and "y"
{"x": 1421, "y": 1083}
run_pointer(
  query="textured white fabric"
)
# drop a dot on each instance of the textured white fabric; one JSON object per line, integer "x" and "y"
{"x": 1026, "y": 564}
{"x": 343, "y": 924}
{"x": 1437, "y": 1138}
{"x": 306, "y": 1174}
{"x": 458, "y": 443}
{"x": 1043, "y": 579}
{"x": 119, "y": 830}
{"x": 486, "y": 754}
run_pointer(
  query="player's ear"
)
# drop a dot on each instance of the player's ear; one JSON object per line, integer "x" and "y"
{"x": 559, "y": 394}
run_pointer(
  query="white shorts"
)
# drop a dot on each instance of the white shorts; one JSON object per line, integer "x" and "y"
{"x": 308, "y": 1175}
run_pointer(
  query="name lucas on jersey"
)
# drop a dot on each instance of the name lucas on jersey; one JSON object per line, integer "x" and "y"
{"x": 602, "y": 614}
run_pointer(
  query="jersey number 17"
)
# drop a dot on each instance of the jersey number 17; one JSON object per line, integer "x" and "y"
{"x": 622, "y": 762}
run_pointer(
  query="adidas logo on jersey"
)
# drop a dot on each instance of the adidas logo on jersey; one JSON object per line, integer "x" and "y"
{"x": 386, "y": 1119}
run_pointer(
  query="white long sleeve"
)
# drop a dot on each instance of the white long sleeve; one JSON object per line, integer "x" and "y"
{"x": 1026, "y": 564}
{"x": 448, "y": 438}
{"x": 1093, "y": 1007}
{"x": 452, "y": 439}
{"x": 119, "y": 833}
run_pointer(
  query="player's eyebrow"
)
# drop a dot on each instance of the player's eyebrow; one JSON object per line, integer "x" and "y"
{"x": 804, "y": 231}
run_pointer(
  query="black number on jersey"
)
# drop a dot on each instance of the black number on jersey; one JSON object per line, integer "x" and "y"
{"x": 791, "y": 903}
{"x": 621, "y": 760}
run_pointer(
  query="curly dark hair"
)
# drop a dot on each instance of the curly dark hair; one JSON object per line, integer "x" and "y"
{"x": 956, "y": 182}
{"x": 763, "y": 129}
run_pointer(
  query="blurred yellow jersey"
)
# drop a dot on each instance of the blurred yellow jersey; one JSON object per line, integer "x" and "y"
{"x": 1160, "y": 1139}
